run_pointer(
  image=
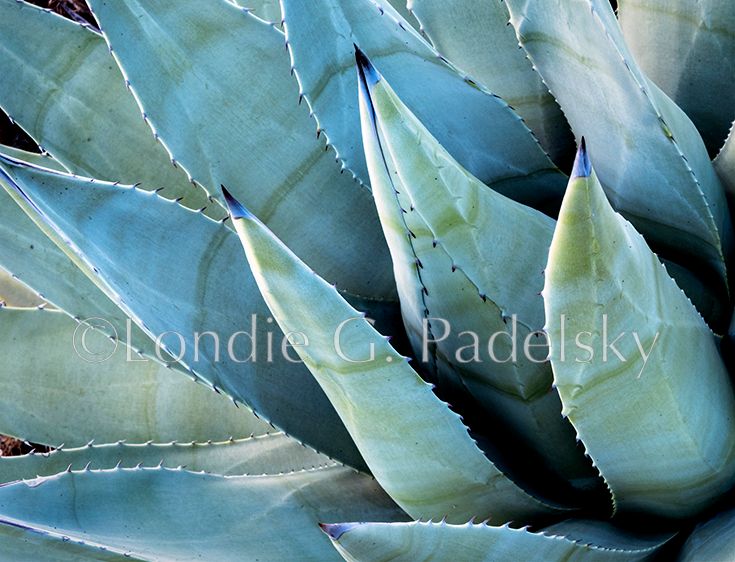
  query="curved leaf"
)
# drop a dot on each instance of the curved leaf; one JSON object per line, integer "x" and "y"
{"x": 713, "y": 540}
{"x": 64, "y": 383}
{"x": 654, "y": 415}
{"x": 476, "y": 37}
{"x": 178, "y": 297}
{"x": 415, "y": 446}
{"x": 164, "y": 514}
{"x": 230, "y": 116}
{"x": 477, "y": 128}
{"x": 63, "y": 88}
{"x": 417, "y": 541}
{"x": 42, "y": 160}
{"x": 725, "y": 165}
{"x": 650, "y": 158}
{"x": 27, "y": 253}
{"x": 461, "y": 279}
{"x": 265, "y": 454}
{"x": 688, "y": 49}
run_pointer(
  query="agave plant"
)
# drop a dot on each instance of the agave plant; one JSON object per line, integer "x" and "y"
{"x": 572, "y": 309}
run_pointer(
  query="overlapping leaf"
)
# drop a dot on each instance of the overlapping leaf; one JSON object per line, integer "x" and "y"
{"x": 649, "y": 156}
{"x": 477, "y": 128}
{"x": 476, "y": 37}
{"x": 688, "y": 49}
{"x": 637, "y": 369}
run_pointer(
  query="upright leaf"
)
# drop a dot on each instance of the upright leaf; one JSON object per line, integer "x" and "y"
{"x": 62, "y": 382}
{"x": 651, "y": 160}
{"x": 688, "y": 49}
{"x": 163, "y": 514}
{"x": 229, "y": 115}
{"x": 415, "y": 446}
{"x": 637, "y": 369}
{"x": 476, "y": 37}
{"x": 461, "y": 280}
{"x": 477, "y": 128}
{"x": 162, "y": 265}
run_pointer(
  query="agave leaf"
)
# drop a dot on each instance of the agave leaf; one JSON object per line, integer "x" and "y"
{"x": 19, "y": 543}
{"x": 268, "y": 10}
{"x": 230, "y": 116}
{"x": 477, "y": 128}
{"x": 418, "y": 541}
{"x": 450, "y": 238}
{"x": 476, "y": 37}
{"x": 163, "y": 514}
{"x": 27, "y": 253}
{"x": 42, "y": 160}
{"x": 712, "y": 540}
{"x": 649, "y": 156}
{"x": 58, "y": 385}
{"x": 688, "y": 49}
{"x": 15, "y": 294}
{"x": 178, "y": 294}
{"x": 415, "y": 446}
{"x": 725, "y": 164}
{"x": 655, "y": 417}
{"x": 65, "y": 91}
{"x": 264, "y": 454}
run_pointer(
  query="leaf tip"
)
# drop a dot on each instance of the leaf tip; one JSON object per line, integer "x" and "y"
{"x": 368, "y": 73}
{"x": 237, "y": 209}
{"x": 336, "y": 530}
{"x": 582, "y": 166}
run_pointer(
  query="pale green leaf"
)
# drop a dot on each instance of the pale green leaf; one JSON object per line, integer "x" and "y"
{"x": 711, "y": 541}
{"x": 477, "y": 128}
{"x": 171, "y": 270}
{"x": 15, "y": 294}
{"x": 417, "y": 448}
{"x": 418, "y": 542}
{"x": 461, "y": 278}
{"x": 42, "y": 160}
{"x": 268, "y": 10}
{"x": 637, "y": 369}
{"x": 64, "y": 89}
{"x": 273, "y": 453}
{"x": 64, "y": 383}
{"x": 230, "y": 115}
{"x": 688, "y": 49}
{"x": 649, "y": 156}
{"x": 476, "y": 37}
{"x": 27, "y": 253}
{"x": 163, "y": 514}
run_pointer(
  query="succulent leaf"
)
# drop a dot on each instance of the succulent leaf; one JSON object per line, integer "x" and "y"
{"x": 475, "y": 36}
{"x": 477, "y": 128}
{"x": 654, "y": 416}
{"x": 649, "y": 156}
{"x": 64, "y": 90}
{"x": 42, "y": 160}
{"x": 455, "y": 256}
{"x": 418, "y": 541}
{"x": 688, "y": 49}
{"x": 725, "y": 164}
{"x": 16, "y": 294}
{"x": 164, "y": 514}
{"x": 178, "y": 293}
{"x": 273, "y": 453}
{"x": 77, "y": 393}
{"x": 712, "y": 540}
{"x": 417, "y": 448}
{"x": 229, "y": 115}
{"x": 29, "y": 254}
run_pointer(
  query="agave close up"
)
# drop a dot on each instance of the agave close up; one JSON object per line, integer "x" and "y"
{"x": 457, "y": 271}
